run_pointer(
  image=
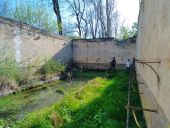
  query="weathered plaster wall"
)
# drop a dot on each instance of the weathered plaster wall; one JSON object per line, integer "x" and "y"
{"x": 29, "y": 44}
{"x": 153, "y": 44}
{"x": 96, "y": 54}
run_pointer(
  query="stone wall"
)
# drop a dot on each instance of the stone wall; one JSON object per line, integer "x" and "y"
{"x": 97, "y": 53}
{"x": 28, "y": 44}
{"x": 153, "y": 46}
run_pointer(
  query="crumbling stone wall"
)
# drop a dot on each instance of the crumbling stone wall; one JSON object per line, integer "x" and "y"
{"x": 153, "y": 48}
{"x": 29, "y": 44}
{"x": 97, "y": 53}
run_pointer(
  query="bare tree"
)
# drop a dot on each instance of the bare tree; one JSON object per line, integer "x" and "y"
{"x": 101, "y": 18}
{"x": 78, "y": 8}
{"x": 108, "y": 19}
{"x": 116, "y": 25}
{"x": 98, "y": 15}
{"x": 93, "y": 17}
{"x": 90, "y": 17}
{"x": 57, "y": 12}
{"x": 110, "y": 12}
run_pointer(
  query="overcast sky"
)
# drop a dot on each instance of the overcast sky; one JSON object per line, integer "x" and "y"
{"x": 129, "y": 10}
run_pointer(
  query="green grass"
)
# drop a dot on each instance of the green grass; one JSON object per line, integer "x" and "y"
{"x": 99, "y": 104}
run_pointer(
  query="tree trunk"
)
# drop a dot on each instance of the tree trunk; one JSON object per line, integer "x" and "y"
{"x": 57, "y": 12}
{"x": 108, "y": 19}
{"x": 101, "y": 17}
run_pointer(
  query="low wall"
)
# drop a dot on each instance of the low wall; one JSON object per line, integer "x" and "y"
{"x": 97, "y": 53}
{"x": 153, "y": 48}
{"x": 29, "y": 44}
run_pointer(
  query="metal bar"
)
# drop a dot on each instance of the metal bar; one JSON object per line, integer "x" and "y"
{"x": 138, "y": 92}
{"x": 144, "y": 61}
{"x": 154, "y": 71}
{"x": 150, "y": 62}
{"x": 135, "y": 118}
{"x": 138, "y": 83}
{"x": 140, "y": 109}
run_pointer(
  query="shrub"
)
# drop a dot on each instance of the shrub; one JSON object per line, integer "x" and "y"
{"x": 25, "y": 74}
{"x": 13, "y": 71}
{"x": 2, "y": 125}
{"x": 9, "y": 69}
{"x": 52, "y": 66}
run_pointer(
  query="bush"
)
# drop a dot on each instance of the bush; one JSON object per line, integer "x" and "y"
{"x": 2, "y": 125}
{"x": 11, "y": 70}
{"x": 25, "y": 74}
{"x": 52, "y": 66}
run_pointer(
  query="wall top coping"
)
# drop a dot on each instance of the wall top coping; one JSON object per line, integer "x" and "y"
{"x": 94, "y": 40}
{"x": 28, "y": 27}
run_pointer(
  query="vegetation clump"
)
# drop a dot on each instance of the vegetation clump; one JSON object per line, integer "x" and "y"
{"x": 52, "y": 67}
{"x": 100, "y": 103}
{"x": 12, "y": 74}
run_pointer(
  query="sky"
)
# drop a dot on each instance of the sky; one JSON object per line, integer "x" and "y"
{"x": 128, "y": 10}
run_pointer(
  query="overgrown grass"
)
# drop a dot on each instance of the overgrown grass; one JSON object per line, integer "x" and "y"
{"x": 98, "y": 104}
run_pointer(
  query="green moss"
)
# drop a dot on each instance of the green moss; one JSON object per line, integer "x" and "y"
{"x": 16, "y": 101}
